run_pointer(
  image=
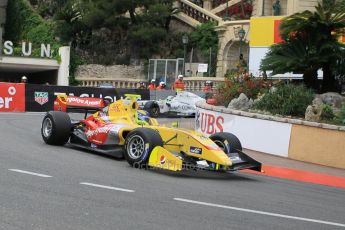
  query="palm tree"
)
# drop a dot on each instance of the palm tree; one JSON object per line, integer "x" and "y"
{"x": 312, "y": 42}
{"x": 293, "y": 56}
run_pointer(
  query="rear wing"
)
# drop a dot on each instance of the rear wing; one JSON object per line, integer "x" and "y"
{"x": 71, "y": 103}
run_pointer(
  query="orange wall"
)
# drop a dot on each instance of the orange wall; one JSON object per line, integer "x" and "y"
{"x": 317, "y": 145}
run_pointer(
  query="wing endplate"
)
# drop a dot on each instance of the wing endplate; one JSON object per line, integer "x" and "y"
{"x": 163, "y": 159}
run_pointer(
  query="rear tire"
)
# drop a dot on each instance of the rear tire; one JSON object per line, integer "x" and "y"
{"x": 227, "y": 141}
{"x": 139, "y": 144}
{"x": 56, "y": 128}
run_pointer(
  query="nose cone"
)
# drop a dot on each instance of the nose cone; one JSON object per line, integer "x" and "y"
{"x": 219, "y": 157}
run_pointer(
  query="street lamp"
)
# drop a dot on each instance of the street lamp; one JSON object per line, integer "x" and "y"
{"x": 241, "y": 34}
{"x": 185, "y": 42}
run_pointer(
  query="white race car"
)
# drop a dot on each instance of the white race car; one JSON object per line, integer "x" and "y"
{"x": 183, "y": 104}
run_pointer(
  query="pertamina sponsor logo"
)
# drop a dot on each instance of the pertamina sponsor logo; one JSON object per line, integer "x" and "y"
{"x": 82, "y": 101}
{"x": 41, "y": 97}
{"x": 102, "y": 130}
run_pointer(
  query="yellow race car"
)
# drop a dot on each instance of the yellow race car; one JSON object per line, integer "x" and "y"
{"x": 120, "y": 129}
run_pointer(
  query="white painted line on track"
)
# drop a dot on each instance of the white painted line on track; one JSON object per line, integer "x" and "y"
{"x": 107, "y": 187}
{"x": 260, "y": 212}
{"x": 30, "y": 173}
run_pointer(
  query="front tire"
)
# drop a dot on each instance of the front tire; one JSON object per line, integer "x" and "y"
{"x": 139, "y": 144}
{"x": 56, "y": 128}
{"x": 227, "y": 141}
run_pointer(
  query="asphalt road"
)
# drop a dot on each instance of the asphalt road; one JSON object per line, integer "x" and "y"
{"x": 48, "y": 187}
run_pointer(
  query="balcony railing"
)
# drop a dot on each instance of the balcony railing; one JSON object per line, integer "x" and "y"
{"x": 198, "y": 83}
{"x": 238, "y": 11}
{"x": 191, "y": 83}
{"x": 196, "y": 12}
{"x": 123, "y": 84}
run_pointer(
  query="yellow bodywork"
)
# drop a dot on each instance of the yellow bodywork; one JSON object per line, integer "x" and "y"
{"x": 176, "y": 140}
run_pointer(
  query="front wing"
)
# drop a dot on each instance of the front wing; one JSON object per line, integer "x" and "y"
{"x": 163, "y": 159}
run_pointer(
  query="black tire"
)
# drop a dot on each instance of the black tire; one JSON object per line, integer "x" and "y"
{"x": 233, "y": 145}
{"x": 145, "y": 140}
{"x": 152, "y": 108}
{"x": 56, "y": 128}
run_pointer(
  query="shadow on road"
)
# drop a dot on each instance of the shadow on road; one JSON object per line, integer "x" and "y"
{"x": 202, "y": 174}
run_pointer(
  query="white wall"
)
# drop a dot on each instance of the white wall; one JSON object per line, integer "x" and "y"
{"x": 260, "y": 135}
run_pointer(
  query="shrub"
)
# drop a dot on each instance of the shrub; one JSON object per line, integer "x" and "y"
{"x": 287, "y": 99}
{"x": 234, "y": 85}
{"x": 327, "y": 112}
{"x": 340, "y": 116}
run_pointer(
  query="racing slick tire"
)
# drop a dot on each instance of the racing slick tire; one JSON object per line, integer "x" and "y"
{"x": 153, "y": 108}
{"x": 139, "y": 144}
{"x": 221, "y": 138}
{"x": 56, "y": 128}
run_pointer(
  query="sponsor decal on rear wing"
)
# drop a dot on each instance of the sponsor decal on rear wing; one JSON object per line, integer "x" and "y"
{"x": 64, "y": 103}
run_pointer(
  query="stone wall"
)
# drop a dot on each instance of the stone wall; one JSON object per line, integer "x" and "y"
{"x": 113, "y": 72}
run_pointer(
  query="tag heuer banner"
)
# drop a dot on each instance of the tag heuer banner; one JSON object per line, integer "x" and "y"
{"x": 40, "y": 98}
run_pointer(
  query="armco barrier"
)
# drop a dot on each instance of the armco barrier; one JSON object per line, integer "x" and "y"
{"x": 292, "y": 138}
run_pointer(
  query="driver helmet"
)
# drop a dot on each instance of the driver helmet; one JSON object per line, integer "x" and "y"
{"x": 153, "y": 81}
{"x": 180, "y": 76}
{"x": 162, "y": 83}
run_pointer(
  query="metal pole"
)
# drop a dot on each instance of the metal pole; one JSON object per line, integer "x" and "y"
{"x": 190, "y": 62}
{"x": 184, "y": 60}
{"x": 210, "y": 61}
{"x": 240, "y": 46}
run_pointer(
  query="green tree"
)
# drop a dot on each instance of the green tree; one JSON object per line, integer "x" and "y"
{"x": 205, "y": 39}
{"x": 70, "y": 27}
{"x": 310, "y": 43}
